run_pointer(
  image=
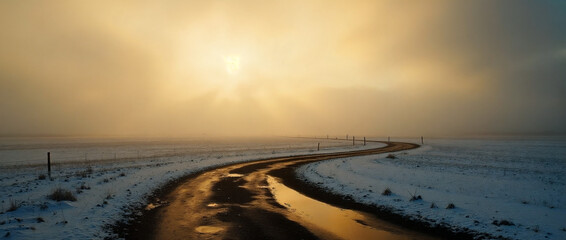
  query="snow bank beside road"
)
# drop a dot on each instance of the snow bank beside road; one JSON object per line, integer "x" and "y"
{"x": 105, "y": 189}
{"x": 515, "y": 189}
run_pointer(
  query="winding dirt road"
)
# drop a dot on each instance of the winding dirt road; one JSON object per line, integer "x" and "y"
{"x": 235, "y": 202}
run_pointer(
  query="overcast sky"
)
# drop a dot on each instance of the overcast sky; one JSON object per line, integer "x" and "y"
{"x": 186, "y": 68}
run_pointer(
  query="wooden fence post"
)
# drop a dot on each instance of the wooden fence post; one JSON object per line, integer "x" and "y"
{"x": 318, "y": 147}
{"x": 353, "y": 140}
{"x": 422, "y": 140}
{"x": 49, "y": 164}
{"x": 364, "y": 141}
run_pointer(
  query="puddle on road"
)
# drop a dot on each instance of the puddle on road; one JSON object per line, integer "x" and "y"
{"x": 208, "y": 229}
{"x": 151, "y": 206}
{"x": 156, "y": 204}
{"x": 212, "y": 205}
{"x": 234, "y": 175}
{"x": 346, "y": 224}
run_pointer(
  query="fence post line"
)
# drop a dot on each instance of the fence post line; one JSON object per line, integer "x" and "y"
{"x": 353, "y": 140}
{"x": 318, "y": 147}
{"x": 364, "y": 141}
{"x": 422, "y": 140}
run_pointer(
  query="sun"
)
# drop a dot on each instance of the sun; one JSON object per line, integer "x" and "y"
{"x": 232, "y": 64}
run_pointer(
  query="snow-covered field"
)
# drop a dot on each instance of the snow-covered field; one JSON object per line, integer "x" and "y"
{"x": 490, "y": 181}
{"x": 108, "y": 176}
{"x": 506, "y": 187}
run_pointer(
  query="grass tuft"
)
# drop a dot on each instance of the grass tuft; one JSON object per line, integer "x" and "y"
{"x": 502, "y": 222}
{"x": 386, "y": 192}
{"x": 60, "y": 194}
{"x": 391, "y": 156}
{"x": 86, "y": 173}
{"x": 14, "y": 205}
{"x": 42, "y": 177}
{"x": 415, "y": 197}
{"x": 450, "y": 206}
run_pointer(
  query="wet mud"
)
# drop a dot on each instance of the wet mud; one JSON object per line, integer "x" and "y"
{"x": 238, "y": 202}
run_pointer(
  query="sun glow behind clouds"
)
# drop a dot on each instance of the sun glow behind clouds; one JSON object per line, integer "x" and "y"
{"x": 280, "y": 67}
{"x": 232, "y": 64}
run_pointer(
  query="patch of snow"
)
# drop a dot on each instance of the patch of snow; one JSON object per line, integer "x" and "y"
{"x": 512, "y": 188}
{"x": 115, "y": 176}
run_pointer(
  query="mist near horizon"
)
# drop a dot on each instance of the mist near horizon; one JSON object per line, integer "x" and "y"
{"x": 256, "y": 68}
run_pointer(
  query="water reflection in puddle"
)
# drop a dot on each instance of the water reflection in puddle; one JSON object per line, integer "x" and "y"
{"x": 212, "y": 205}
{"x": 208, "y": 229}
{"x": 151, "y": 206}
{"x": 156, "y": 204}
{"x": 234, "y": 175}
{"x": 347, "y": 224}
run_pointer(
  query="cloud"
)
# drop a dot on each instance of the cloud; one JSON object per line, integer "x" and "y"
{"x": 317, "y": 67}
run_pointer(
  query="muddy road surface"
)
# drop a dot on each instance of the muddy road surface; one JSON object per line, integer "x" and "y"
{"x": 263, "y": 200}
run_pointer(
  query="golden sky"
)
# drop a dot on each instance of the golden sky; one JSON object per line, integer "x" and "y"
{"x": 375, "y": 68}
